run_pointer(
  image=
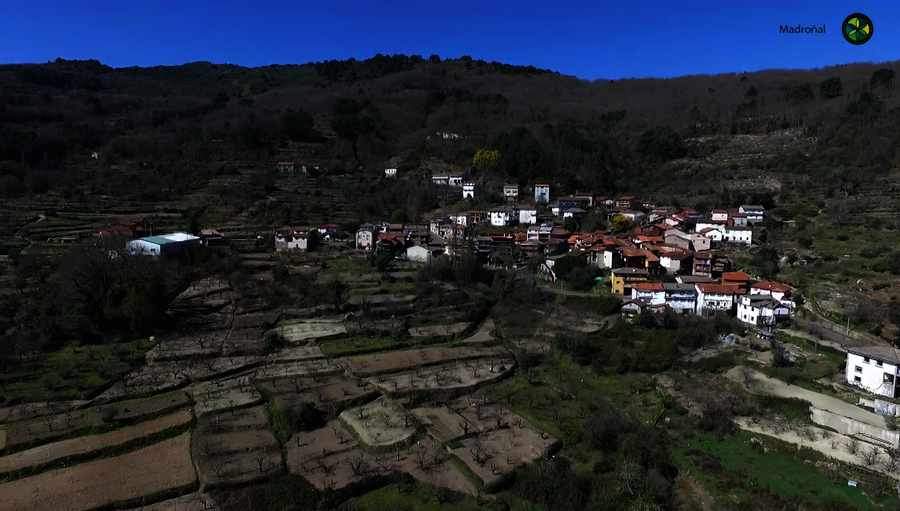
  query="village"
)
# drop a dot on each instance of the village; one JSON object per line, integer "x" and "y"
{"x": 391, "y": 379}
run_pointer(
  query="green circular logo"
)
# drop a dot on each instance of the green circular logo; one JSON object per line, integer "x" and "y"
{"x": 857, "y": 29}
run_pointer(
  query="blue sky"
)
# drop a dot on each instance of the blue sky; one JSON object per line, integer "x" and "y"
{"x": 588, "y": 39}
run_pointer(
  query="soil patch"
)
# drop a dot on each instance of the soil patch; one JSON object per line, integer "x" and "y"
{"x": 55, "y": 426}
{"x": 50, "y": 452}
{"x": 469, "y": 376}
{"x": 192, "y": 502}
{"x": 160, "y": 467}
{"x": 235, "y": 457}
{"x": 254, "y": 417}
{"x": 305, "y": 448}
{"x": 493, "y": 455}
{"x": 383, "y": 363}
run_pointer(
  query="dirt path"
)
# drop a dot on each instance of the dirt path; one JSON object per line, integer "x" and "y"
{"x": 163, "y": 466}
{"x": 81, "y": 445}
{"x": 761, "y": 384}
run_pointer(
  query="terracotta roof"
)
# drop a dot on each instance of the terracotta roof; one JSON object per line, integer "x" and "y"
{"x": 677, "y": 255}
{"x": 285, "y": 163}
{"x": 648, "y": 286}
{"x": 630, "y": 251}
{"x": 719, "y": 212}
{"x": 544, "y": 185}
{"x": 209, "y": 232}
{"x": 718, "y": 288}
{"x": 735, "y": 275}
{"x": 330, "y": 226}
{"x": 772, "y": 286}
{"x": 627, "y": 197}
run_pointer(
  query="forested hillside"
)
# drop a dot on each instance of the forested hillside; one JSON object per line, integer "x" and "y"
{"x": 179, "y": 125}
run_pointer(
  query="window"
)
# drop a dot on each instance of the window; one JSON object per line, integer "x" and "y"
{"x": 858, "y": 369}
{"x": 857, "y": 379}
{"x": 866, "y": 360}
{"x": 878, "y": 363}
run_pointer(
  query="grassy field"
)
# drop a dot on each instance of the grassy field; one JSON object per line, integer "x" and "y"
{"x": 73, "y": 372}
{"x": 561, "y": 393}
{"x": 735, "y": 472}
{"x": 358, "y": 346}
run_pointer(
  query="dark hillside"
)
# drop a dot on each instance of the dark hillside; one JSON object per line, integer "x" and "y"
{"x": 642, "y": 136}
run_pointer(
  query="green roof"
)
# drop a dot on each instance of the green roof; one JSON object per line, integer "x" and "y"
{"x": 158, "y": 240}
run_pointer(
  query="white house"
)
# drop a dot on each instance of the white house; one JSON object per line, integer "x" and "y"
{"x": 527, "y": 216}
{"x": 461, "y": 219}
{"x": 419, "y": 254}
{"x": 633, "y": 215}
{"x": 713, "y": 233}
{"x": 742, "y": 235}
{"x": 761, "y": 310}
{"x": 780, "y": 292}
{"x": 873, "y": 368}
{"x": 285, "y": 166}
{"x": 390, "y": 172}
{"x": 675, "y": 261}
{"x": 651, "y": 293}
{"x": 501, "y": 217}
{"x": 712, "y": 298}
{"x": 456, "y": 178}
{"x": 754, "y": 213}
{"x": 440, "y": 179}
{"x": 468, "y": 190}
{"x": 292, "y": 238}
{"x": 511, "y": 192}
{"x": 702, "y": 225}
{"x": 167, "y": 244}
{"x": 682, "y": 298}
{"x": 365, "y": 237}
{"x": 718, "y": 215}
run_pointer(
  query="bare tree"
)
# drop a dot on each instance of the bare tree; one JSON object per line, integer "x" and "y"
{"x": 870, "y": 456}
{"x": 358, "y": 464}
{"x": 853, "y": 446}
{"x": 480, "y": 454}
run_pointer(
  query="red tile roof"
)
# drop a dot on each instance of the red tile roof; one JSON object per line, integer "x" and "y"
{"x": 772, "y": 286}
{"x": 735, "y": 275}
{"x": 543, "y": 185}
{"x": 718, "y": 288}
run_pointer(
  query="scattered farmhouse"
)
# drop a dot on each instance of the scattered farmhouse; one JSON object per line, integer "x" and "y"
{"x": 754, "y": 213}
{"x": 285, "y": 166}
{"x": 292, "y": 238}
{"x": 365, "y": 237}
{"x": 761, "y": 310}
{"x": 468, "y": 190}
{"x": 166, "y": 244}
{"x": 511, "y": 193}
{"x": 390, "y": 172}
{"x": 874, "y": 368}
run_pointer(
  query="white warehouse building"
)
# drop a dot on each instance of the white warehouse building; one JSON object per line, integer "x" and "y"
{"x": 873, "y": 368}
{"x": 167, "y": 244}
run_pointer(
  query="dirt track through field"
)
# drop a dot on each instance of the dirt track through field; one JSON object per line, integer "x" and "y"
{"x": 81, "y": 445}
{"x": 163, "y": 466}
